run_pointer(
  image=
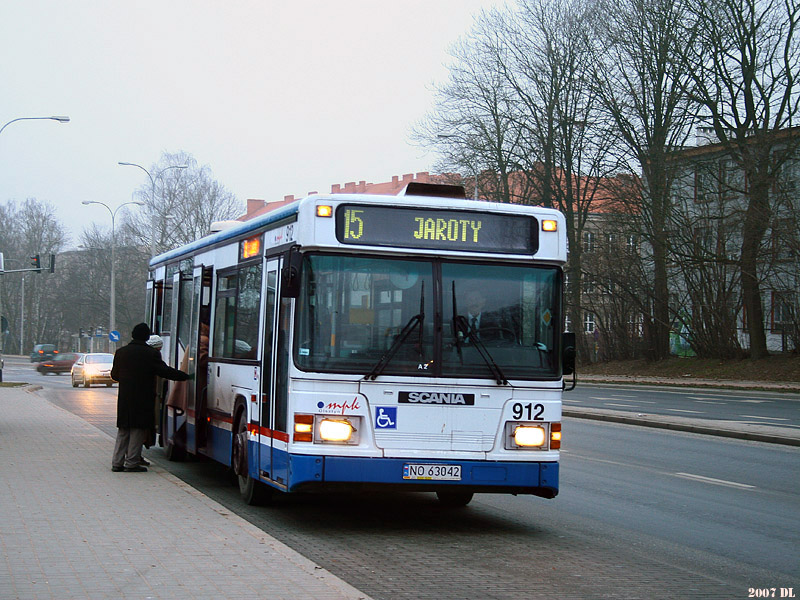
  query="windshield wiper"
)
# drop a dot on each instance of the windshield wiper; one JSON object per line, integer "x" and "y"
{"x": 415, "y": 321}
{"x": 456, "y": 338}
{"x": 462, "y": 325}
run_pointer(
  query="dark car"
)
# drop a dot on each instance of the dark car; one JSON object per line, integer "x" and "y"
{"x": 43, "y": 352}
{"x": 60, "y": 363}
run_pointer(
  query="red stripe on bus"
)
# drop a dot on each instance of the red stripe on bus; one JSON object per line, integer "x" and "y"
{"x": 267, "y": 432}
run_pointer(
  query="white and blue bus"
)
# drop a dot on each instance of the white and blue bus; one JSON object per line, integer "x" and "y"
{"x": 409, "y": 342}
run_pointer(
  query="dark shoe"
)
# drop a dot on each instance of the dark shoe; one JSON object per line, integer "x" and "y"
{"x": 136, "y": 469}
{"x": 117, "y": 469}
{"x": 144, "y": 463}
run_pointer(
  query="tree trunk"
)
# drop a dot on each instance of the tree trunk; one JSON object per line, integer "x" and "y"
{"x": 755, "y": 226}
{"x": 660, "y": 206}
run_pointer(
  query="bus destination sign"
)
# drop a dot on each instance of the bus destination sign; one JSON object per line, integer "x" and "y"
{"x": 436, "y": 229}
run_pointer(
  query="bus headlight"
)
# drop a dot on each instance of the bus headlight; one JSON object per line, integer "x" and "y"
{"x": 527, "y": 435}
{"x": 532, "y": 436}
{"x": 340, "y": 430}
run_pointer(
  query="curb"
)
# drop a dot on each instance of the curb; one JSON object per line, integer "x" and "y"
{"x": 769, "y": 435}
{"x": 791, "y": 387}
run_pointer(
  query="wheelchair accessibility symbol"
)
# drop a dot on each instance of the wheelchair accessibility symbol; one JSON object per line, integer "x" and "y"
{"x": 386, "y": 417}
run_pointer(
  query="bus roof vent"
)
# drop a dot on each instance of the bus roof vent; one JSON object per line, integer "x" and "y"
{"x": 438, "y": 190}
{"x": 218, "y": 226}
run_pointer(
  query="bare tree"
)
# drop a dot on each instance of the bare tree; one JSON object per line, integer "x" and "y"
{"x": 29, "y": 230}
{"x": 641, "y": 78}
{"x": 745, "y": 77}
{"x": 474, "y": 123}
{"x": 569, "y": 142}
{"x": 705, "y": 226}
{"x": 181, "y": 206}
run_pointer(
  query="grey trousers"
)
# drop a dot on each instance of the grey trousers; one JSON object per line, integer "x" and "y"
{"x": 128, "y": 449}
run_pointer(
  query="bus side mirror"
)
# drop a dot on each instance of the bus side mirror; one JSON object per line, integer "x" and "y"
{"x": 568, "y": 353}
{"x": 290, "y": 274}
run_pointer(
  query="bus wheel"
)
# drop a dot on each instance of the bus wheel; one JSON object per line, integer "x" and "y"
{"x": 253, "y": 492}
{"x": 454, "y": 498}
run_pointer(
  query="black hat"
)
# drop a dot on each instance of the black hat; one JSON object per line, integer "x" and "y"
{"x": 141, "y": 332}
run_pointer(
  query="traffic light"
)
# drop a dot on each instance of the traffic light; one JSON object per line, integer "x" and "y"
{"x": 37, "y": 263}
{"x": 52, "y": 263}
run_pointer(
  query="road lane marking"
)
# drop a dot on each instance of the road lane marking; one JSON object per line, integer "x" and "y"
{"x": 622, "y": 405}
{"x": 752, "y": 401}
{"x": 604, "y": 398}
{"x": 708, "y": 402}
{"x": 695, "y": 412}
{"x": 712, "y": 480}
{"x": 763, "y": 418}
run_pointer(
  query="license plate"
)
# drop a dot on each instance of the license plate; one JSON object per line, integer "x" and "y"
{"x": 432, "y": 472}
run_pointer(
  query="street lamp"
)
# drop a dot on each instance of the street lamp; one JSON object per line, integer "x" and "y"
{"x": 153, "y": 193}
{"x": 59, "y": 119}
{"x": 113, "y": 214}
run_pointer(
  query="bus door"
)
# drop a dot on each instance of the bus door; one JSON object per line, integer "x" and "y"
{"x": 181, "y": 318}
{"x": 280, "y": 399}
{"x": 196, "y": 356}
{"x": 267, "y": 369}
{"x": 176, "y": 354}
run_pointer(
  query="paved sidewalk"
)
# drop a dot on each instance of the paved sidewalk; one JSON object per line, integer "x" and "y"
{"x": 70, "y": 528}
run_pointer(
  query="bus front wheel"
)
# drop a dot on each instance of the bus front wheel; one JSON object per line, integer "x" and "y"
{"x": 253, "y": 492}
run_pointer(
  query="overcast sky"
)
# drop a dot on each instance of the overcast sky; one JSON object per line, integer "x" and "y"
{"x": 275, "y": 97}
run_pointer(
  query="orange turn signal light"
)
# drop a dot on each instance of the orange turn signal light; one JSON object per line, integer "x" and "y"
{"x": 555, "y": 436}
{"x": 303, "y": 428}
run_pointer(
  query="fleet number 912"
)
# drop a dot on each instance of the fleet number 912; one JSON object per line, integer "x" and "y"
{"x": 527, "y": 411}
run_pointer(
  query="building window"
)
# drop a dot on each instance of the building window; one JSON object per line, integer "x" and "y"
{"x": 784, "y": 239}
{"x": 782, "y": 312}
{"x": 704, "y": 187}
{"x": 588, "y": 241}
{"x": 588, "y": 322}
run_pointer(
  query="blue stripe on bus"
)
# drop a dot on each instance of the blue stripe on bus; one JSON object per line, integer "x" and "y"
{"x": 341, "y": 469}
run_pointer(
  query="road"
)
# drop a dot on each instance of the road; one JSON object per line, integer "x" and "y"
{"x": 642, "y": 513}
{"x": 779, "y": 409}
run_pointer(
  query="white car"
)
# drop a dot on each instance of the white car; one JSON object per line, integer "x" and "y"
{"x": 92, "y": 368}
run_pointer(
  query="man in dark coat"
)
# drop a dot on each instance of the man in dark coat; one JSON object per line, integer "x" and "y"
{"x": 135, "y": 368}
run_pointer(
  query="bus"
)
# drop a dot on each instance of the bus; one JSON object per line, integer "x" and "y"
{"x": 365, "y": 342}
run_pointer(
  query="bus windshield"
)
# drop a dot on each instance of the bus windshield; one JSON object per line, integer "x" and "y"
{"x": 427, "y": 317}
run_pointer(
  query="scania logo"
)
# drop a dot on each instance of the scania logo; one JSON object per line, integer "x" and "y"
{"x": 436, "y": 398}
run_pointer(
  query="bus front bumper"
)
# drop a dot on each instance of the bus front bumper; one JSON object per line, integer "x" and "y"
{"x": 310, "y": 473}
